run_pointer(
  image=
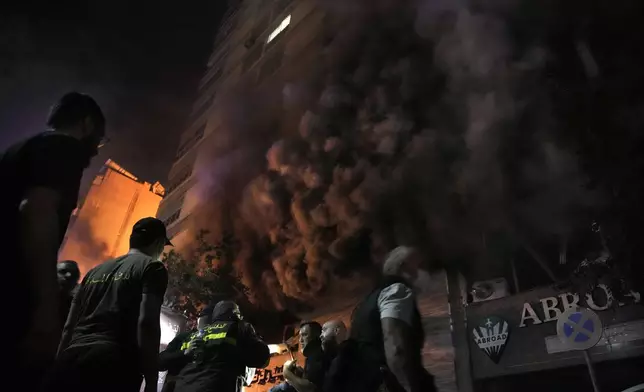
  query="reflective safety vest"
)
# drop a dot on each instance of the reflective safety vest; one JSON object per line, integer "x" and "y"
{"x": 215, "y": 333}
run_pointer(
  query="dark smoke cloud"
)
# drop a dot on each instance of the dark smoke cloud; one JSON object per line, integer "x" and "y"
{"x": 82, "y": 246}
{"x": 434, "y": 127}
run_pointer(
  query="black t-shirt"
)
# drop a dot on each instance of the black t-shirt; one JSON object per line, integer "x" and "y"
{"x": 50, "y": 160}
{"x": 317, "y": 363}
{"x": 222, "y": 359}
{"x": 109, "y": 299}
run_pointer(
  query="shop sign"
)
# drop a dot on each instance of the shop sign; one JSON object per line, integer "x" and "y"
{"x": 552, "y": 307}
{"x": 491, "y": 336}
{"x": 262, "y": 380}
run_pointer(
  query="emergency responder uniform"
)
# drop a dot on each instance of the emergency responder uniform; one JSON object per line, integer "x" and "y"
{"x": 223, "y": 351}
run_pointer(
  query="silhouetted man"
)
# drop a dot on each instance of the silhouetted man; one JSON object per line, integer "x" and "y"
{"x": 41, "y": 178}
{"x": 387, "y": 334}
{"x": 112, "y": 334}
{"x": 217, "y": 355}
{"x": 68, "y": 276}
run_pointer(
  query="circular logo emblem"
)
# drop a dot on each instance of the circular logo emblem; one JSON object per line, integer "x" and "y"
{"x": 579, "y": 328}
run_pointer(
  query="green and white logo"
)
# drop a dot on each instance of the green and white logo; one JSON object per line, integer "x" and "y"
{"x": 491, "y": 336}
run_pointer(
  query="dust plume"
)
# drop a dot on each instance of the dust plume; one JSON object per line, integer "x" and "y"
{"x": 82, "y": 246}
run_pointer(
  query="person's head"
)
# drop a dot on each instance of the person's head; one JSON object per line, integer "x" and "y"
{"x": 310, "y": 331}
{"x": 205, "y": 317}
{"x": 68, "y": 275}
{"x": 149, "y": 236}
{"x": 79, "y": 116}
{"x": 333, "y": 332}
{"x": 406, "y": 262}
{"x": 226, "y": 311}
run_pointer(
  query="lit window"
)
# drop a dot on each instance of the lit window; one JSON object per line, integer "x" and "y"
{"x": 279, "y": 29}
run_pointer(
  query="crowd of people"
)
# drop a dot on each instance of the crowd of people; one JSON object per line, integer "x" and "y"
{"x": 111, "y": 334}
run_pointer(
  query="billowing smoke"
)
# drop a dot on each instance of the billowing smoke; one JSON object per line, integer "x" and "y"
{"x": 82, "y": 246}
{"x": 433, "y": 128}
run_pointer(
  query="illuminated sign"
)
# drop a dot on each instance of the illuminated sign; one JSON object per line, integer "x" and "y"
{"x": 492, "y": 336}
{"x": 282, "y": 26}
{"x": 552, "y": 307}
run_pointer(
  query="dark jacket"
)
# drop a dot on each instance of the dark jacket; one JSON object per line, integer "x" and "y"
{"x": 361, "y": 363}
{"x": 230, "y": 345}
{"x": 173, "y": 360}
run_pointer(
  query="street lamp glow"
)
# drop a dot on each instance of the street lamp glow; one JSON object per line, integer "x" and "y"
{"x": 279, "y": 29}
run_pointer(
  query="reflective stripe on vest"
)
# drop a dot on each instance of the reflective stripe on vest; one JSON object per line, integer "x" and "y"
{"x": 220, "y": 336}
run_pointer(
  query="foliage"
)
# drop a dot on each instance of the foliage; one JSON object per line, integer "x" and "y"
{"x": 203, "y": 276}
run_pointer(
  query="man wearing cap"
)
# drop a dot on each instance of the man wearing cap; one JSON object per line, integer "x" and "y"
{"x": 111, "y": 337}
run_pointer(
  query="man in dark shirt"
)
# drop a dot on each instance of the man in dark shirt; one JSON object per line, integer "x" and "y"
{"x": 311, "y": 378}
{"x": 41, "y": 177}
{"x": 68, "y": 276}
{"x": 112, "y": 333}
{"x": 216, "y": 357}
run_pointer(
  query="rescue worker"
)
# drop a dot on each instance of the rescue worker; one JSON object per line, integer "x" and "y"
{"x": 217, "y": 355}
{"x": 387, "y": 337}
{"x": 112, "y": 333}
{"x": 172, "y": 358}
{"x": 68, "y": 276}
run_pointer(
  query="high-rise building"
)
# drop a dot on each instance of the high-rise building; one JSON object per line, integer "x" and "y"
{"x": 264, "y": 45}
{"x": 261, "y": 44}
{"x": 101, "y": 226}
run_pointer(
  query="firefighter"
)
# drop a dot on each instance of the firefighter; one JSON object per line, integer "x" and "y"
{"x": 172, "y": 358}
{"x": 216, "y": 356}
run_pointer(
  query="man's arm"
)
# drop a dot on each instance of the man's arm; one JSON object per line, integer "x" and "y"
{"x": 255, "y": 352}
{"x": 301, "y": 384}
{"x": 52, "y": 169}
{"x": 155, "y": 280}
{"x": 40, "y": 239}
{"x": 70, "y": 324}
{"x": 149, "y": 335}
{"x": 396, "y": 304}
{"x": 173, "y": 358}
{"x": 399, "y": 352}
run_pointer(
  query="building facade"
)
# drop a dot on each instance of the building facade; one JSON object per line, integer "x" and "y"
{"x": 261, "y": 44}
{"x": 101, "y": 226}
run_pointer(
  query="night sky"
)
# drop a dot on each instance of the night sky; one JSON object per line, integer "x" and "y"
{"x": 141, "y": 60}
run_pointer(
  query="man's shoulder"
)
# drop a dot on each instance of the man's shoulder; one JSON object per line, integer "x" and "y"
{"x": 396, "y": 290}
{"x": 131, "y": 261}
{"x": 54, "y": 139}
{"x": 140, "y": 260}
{"x": 397, "y": 301}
